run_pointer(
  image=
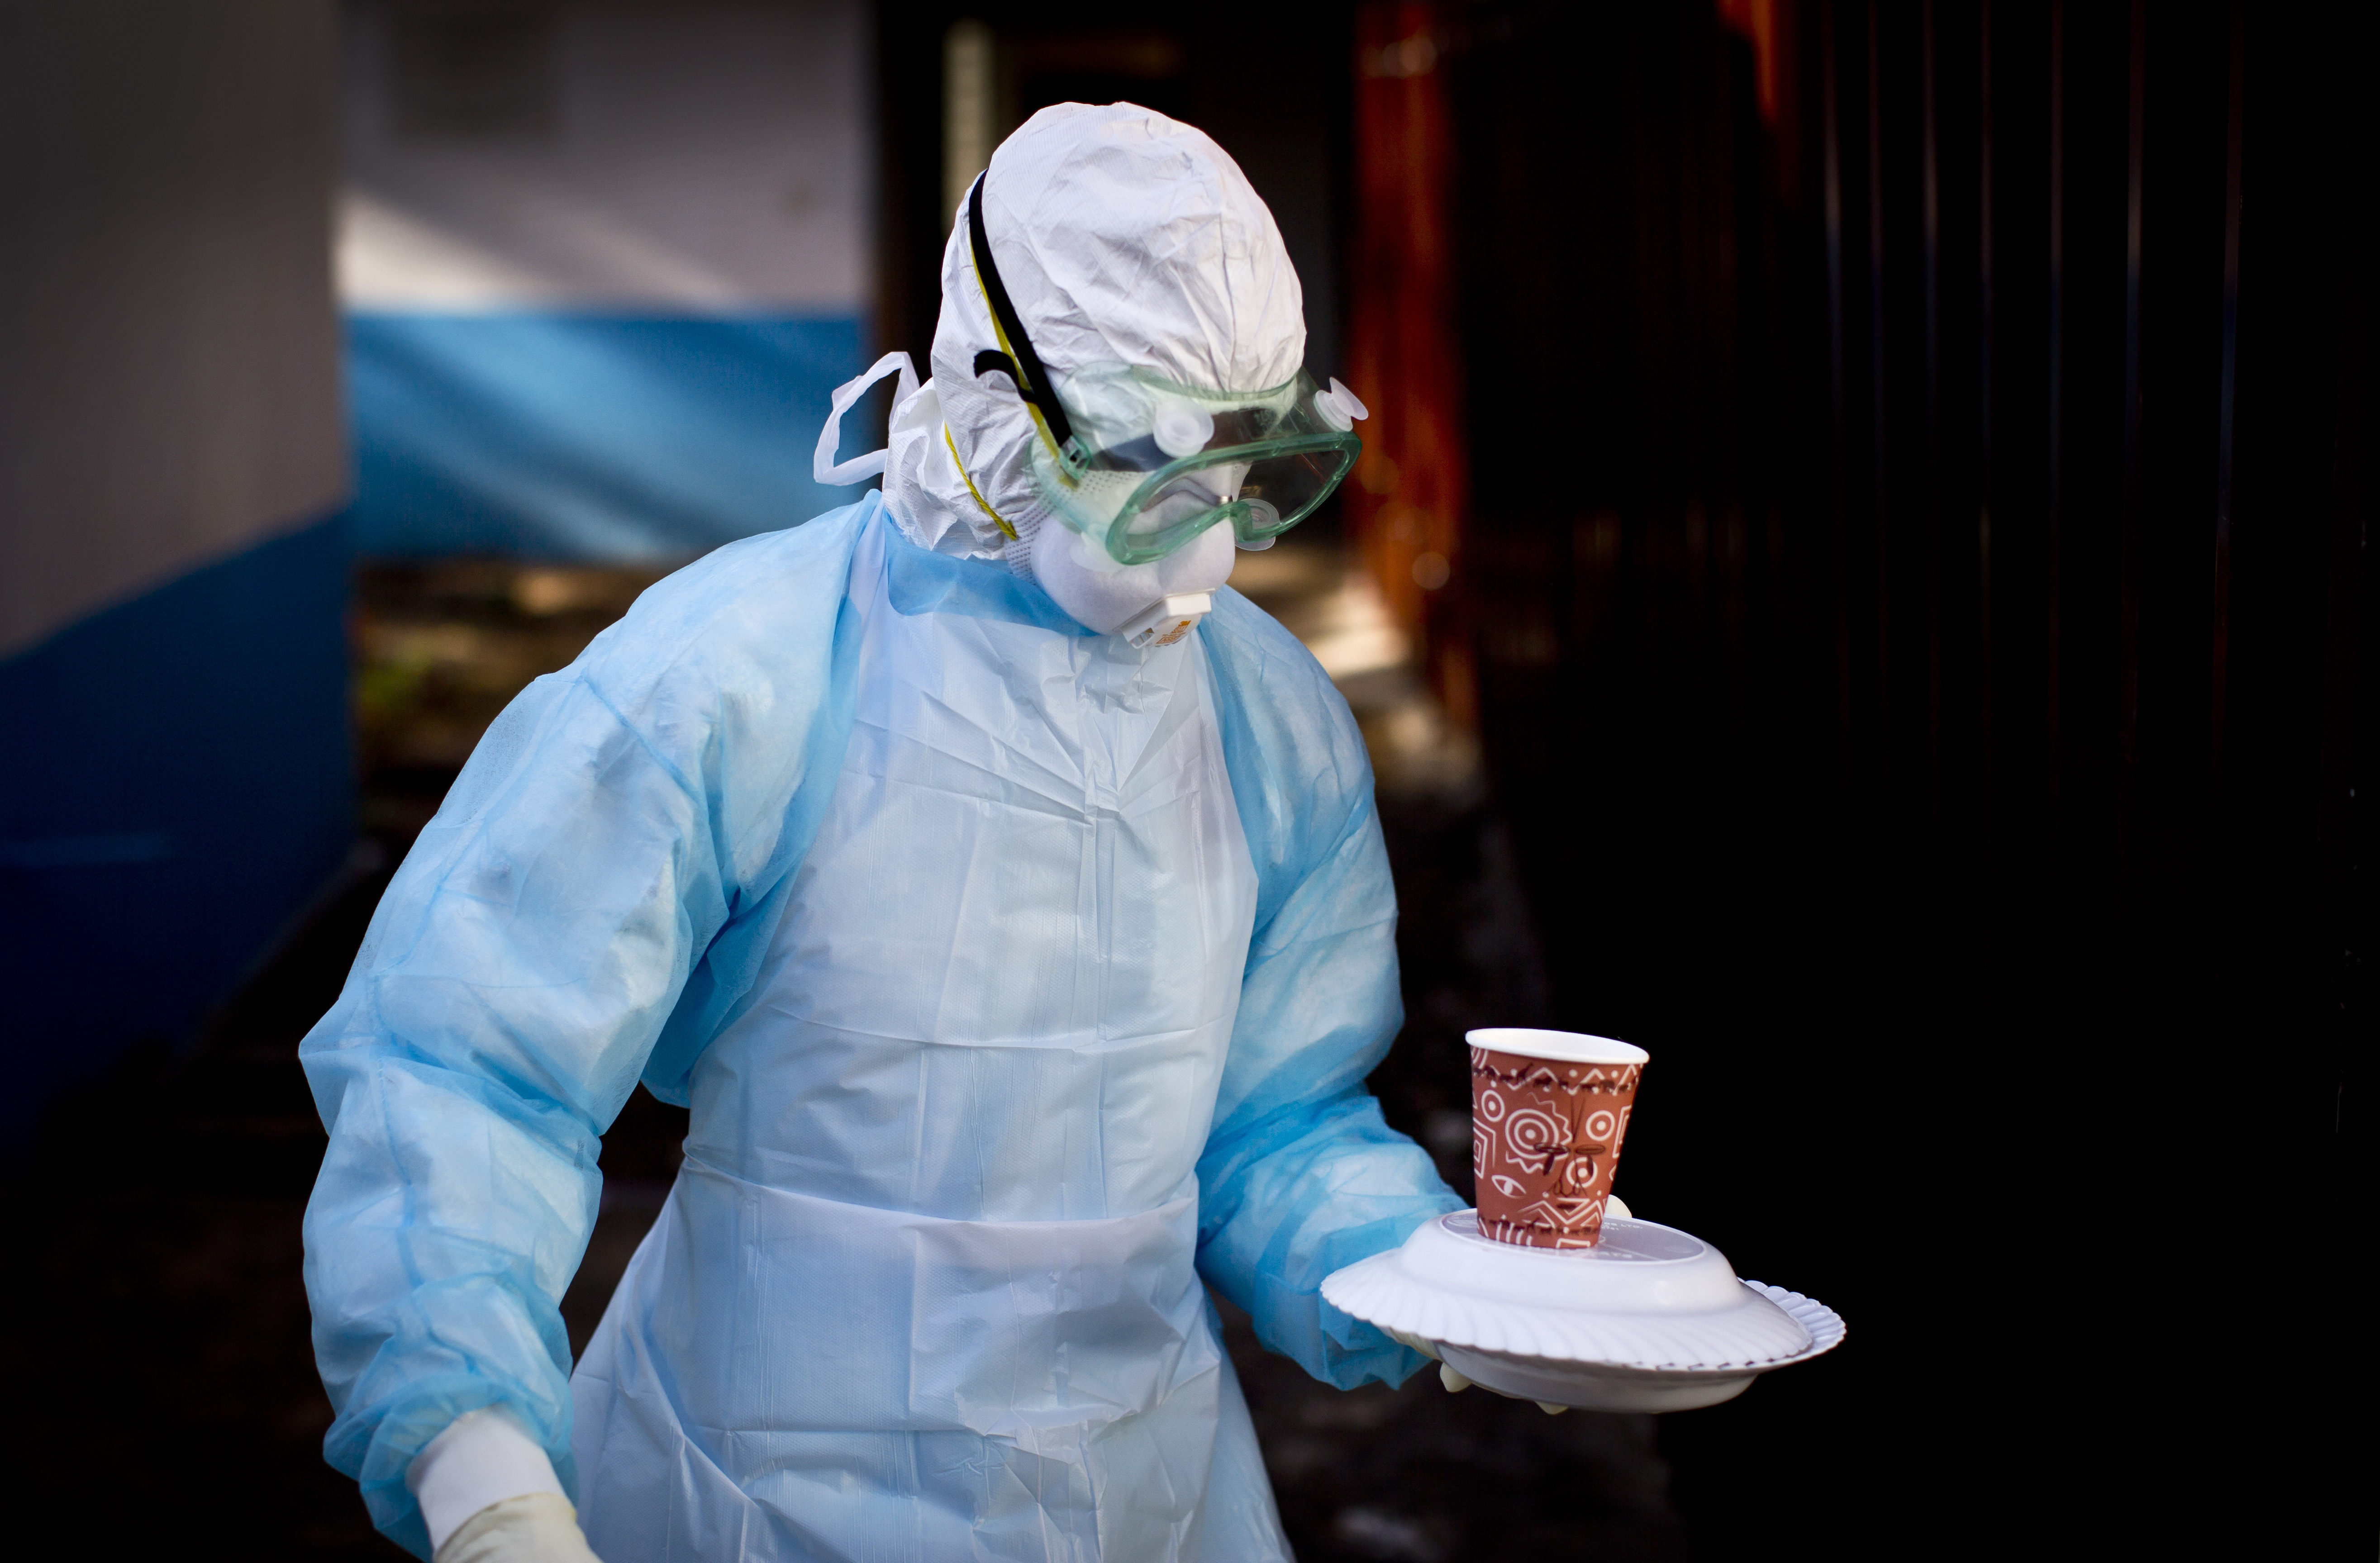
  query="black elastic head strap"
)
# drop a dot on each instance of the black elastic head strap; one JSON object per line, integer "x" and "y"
{"x": 1020, "y": 363}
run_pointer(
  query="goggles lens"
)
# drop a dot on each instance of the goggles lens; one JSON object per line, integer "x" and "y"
{"x": 1165, "y": 462}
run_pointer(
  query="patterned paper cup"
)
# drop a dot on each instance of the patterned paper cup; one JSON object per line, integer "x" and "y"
{"x": 1548, "y": 1111}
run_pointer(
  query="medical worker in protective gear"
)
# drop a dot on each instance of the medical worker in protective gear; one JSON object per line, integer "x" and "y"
{"x": 1006, "y": 899}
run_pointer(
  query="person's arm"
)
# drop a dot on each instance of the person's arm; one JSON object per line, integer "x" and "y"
{"x": 1301, "y": 1176}
{"x": 625, "y": 823}
{"x": 515, "y": 977}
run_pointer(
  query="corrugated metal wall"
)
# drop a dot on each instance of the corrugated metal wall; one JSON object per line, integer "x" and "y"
{"x": 1915, "y": 573}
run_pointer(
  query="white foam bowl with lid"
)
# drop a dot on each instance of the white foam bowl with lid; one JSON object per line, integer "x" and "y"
{"x": 1650, "y": 1319}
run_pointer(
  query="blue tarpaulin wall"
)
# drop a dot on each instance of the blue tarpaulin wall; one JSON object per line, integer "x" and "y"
{"x": 175, "y": 784}
{"x": 575, "y": 435}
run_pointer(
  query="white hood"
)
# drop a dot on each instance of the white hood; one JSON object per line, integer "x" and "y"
{"x": 1123, "y": 238}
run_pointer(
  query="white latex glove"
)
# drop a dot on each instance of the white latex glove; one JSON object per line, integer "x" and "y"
{"x": 1455, "y": 1383}
{"x": 533, "y": 1528}
{"x": 489, "y": 1494}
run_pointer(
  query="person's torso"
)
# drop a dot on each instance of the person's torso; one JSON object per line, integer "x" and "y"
{"x": 948, "y": 1141}
{"x": 928, "y": 1271}
{"x": 1005, "y": 984}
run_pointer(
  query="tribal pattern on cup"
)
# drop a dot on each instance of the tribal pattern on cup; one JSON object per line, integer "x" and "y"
{"x": 1545, "y": 1141}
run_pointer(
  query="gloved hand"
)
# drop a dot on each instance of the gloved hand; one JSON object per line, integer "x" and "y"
{"x": 533, "y": 1528}
{"x": 1455, "y": 1383}
{"x": 489, "y": 1494}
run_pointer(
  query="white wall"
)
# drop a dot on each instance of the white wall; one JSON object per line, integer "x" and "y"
{"x": 701, "y": 156}
{"x": 169, "y": 385}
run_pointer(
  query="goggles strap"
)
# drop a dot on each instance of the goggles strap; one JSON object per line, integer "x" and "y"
{"x": 1020, "y": 362}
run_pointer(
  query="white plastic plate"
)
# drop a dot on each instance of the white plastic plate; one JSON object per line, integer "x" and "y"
{"x": 1608, "y": 1387}
{"x": 1650, "y": 1319}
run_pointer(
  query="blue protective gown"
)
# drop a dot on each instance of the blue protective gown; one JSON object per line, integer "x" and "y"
{"x": 1018, "y": 982}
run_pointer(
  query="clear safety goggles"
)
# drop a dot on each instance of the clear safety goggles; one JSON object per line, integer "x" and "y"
{"x": 1141, "y": 464}
{"x": 1159, "y": 463}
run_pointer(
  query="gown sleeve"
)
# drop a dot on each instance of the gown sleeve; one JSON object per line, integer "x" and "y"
{"x": 1301, "y": 1176}
{"x": 606, "y": 854}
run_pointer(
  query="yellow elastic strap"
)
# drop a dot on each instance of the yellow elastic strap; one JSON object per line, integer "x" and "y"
{"x": 1005, "y": 530}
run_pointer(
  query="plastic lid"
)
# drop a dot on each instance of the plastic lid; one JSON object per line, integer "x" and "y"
{"x": 1562, "y": 1047}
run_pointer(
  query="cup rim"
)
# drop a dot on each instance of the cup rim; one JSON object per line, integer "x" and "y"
{"x": 1561, "y": 1046}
